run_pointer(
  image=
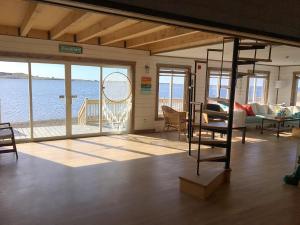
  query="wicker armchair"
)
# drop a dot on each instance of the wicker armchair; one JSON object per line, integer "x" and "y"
{"x": 174, "y": 119}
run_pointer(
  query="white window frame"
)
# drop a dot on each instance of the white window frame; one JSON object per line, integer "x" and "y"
{"x": 259, "y": 74}
{"x": 171, "y": 71}
{"x": 217, "y": 73}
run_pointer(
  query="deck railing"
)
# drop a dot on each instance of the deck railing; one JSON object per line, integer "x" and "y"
{"x": 115, "y": 114}
{"x": 89, "y": 111}
{"x": 176, "y": 103}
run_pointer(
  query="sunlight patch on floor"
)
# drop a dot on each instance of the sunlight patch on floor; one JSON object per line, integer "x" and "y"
{"x": 249, "y": 140}
{"x": 129, "y": 146}
{"x": 107, "y": 149}
{"x": 99, "y": 150}
{"x": 64, "y": 157}
{"x": 283, "y": 134}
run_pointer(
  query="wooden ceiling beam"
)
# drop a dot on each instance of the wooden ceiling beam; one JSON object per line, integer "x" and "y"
{"x": 161, "y": 35}
{"x": 62, "y": 27}
{"x": 184, "y": 42}
{"x": 107, "y": 25}
{"x": 29, "y": 18}
{"x": 136, "y": 30}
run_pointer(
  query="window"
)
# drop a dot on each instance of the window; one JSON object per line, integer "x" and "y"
{"x": 258, "y": 88}
{"x": 218, "y": 85}
{"x": 171, "y": 88}
{"x": 296, "y": 90}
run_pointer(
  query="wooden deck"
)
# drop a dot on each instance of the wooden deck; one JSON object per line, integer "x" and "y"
{"x": 56, "y": 131}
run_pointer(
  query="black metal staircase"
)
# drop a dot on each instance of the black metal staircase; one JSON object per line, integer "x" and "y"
{"x": 238, "y": 46}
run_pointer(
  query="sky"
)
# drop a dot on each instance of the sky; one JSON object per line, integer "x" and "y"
{"x": 58, "y": 70}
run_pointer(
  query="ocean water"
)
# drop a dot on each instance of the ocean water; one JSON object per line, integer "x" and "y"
{"x": 14, "y": 97}
{"x": 47, "y": 105}
{"x": 164, "y": 90}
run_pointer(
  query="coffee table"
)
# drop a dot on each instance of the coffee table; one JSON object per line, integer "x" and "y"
{"x": 280, "y": 124}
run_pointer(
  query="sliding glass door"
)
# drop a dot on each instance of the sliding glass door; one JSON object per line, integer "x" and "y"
{"x": 48, "y": 100}
{"x": 86, "y": 108}
{"x": 117, "y": 99}
{"x": 100, "y": 92}
{"x": 14, "y": 97}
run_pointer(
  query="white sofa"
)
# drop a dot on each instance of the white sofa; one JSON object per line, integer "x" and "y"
{"x": 262, "y": 111}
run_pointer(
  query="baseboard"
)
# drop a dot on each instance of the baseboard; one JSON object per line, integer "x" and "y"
{"x": 145, "y": 131}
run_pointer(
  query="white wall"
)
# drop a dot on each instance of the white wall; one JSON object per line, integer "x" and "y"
{"x": 286, "y": 74}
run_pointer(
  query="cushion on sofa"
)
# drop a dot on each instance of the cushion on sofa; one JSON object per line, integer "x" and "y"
{"x": 246, "y": 108}
{"x": 238, "y": 106}
{"x": 254, "y": 107}
{"x": 289, "y": 111}
{"x": 224, "y": 107}
{"x": 279, "y": 110}
{"x": 296, "y": 109}
{"x": 273, "y": 109}
{"x": 262, "y": 109}
{"x": 276, "y": 108}
{"x": 249, "y": 110}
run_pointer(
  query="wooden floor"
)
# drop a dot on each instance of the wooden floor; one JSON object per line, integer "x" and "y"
{"x": 133, "y": 180}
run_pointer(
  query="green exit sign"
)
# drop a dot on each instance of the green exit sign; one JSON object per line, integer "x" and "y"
{"x": 70, "y": 49}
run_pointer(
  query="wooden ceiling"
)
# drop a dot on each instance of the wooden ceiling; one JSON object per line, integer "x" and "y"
{"x": 37, "y": 20}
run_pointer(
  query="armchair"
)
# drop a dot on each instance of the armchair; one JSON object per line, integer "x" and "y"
{"x": 174, "y": 119}
{"x": 7, "y": 138}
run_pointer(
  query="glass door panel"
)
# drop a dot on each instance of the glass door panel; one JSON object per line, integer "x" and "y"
{"x": 48, "y": 100}
{"x": 85, "y": 99}
{"x": 14, "y": 97}
{"x": 178, "y": 93}
{"x": 165, "y": 87}
{"x": 116, "y": 99}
